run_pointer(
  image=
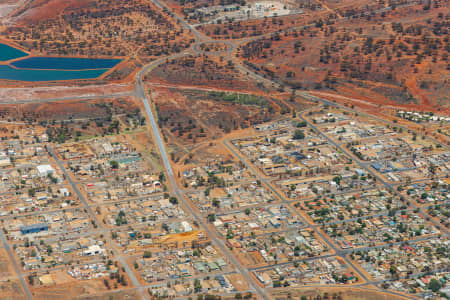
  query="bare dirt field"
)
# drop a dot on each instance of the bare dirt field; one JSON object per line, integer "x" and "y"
{"x": 238, "y": 282}
{"x": 66, "y": 286}
{"x": 11, "y": 289}
{"x": 6, "y": 269}
{"x": 10, "y": 94}
{"x": 68, "y": 110}
{"x": 8, "y": 6}
{"x": 70, "y": 288}
{"x": 121, "y": 295}
{"x": 345, "y": 293}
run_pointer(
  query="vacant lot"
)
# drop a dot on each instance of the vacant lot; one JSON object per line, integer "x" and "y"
{"x": 333, "y": 293}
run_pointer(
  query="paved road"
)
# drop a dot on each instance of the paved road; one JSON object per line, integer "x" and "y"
{"x": 15, "y": 266}
{"x": 140, "y": 92}
{"x": 331, "y": 103}
{"x": 337, "y": 250}
{"x": 171, "y": 178}
{"x": 365, "y": 166}
{"x": 199, "y": 37}
{"x": 166, "y": 162}
{"x": 107, "y": 236}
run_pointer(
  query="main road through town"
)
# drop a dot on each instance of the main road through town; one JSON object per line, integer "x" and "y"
{"x": 140, "y": 91}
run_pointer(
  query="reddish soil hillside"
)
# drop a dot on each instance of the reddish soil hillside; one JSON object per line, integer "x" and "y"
{"x": 95, "y": 28}
{"x": 401, "y": 56}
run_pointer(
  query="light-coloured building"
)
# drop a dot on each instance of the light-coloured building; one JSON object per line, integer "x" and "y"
{"x": 45, "y": 170}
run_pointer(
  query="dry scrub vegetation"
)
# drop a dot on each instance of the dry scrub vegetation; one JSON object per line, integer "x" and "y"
{"x": 202, "y": 70}
{"x": 97, "y": 27}
{"x": 401, "y": 54}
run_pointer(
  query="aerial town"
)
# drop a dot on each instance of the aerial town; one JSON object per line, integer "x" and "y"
{"x": 180, "y": 149}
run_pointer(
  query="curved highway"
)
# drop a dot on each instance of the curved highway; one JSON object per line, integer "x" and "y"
{"x": 178, "y": 192}
{"x": 141, "y": 93}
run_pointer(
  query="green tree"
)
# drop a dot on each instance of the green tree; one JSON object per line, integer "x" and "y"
{"x": 114, "y": 164}
{"x": 298, "y": 134}
{"x": 197, "y": 286}
{"x": 211, "y": 217}
{"x": 434, "y": 285}
{"x": 173, "y": 200}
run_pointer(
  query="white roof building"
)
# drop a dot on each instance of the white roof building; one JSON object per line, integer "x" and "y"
{"x": 64, "y": 192}
{"x": 4, "y": 160}
{"x": 45, "y": 170}
{"x": 186, "y": 226}
{"x": 108, "y": 148}
{"x": 94, "y": 250}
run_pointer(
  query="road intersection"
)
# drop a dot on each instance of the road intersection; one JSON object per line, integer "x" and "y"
{"x": 141, "y": 93}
